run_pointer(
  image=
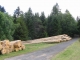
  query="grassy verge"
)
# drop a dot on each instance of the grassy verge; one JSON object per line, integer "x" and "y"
{"x": 71, "y": 53}
{"x": 29, "y": 48}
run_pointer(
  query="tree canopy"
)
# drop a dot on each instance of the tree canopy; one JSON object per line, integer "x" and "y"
{"x": 31, "y": 25}
{"x": 6, "y": 26}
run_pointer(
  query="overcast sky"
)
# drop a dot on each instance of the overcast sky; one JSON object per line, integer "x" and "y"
{"x": 42, "y": 5}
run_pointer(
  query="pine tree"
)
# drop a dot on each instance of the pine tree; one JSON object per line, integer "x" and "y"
{"x": 6, "y": 26}
{"x": 29, "y": 17}
{"x": 54, "y": 26}
{"x": 78, "y": 26}
{"x": 69, "y": 25}
{"x": 21, "y": 33}
{"x": 2, "y": 9}
{"x": 44, "y": 23}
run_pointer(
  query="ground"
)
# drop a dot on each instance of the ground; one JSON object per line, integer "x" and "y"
{"x": 44, "y": 54}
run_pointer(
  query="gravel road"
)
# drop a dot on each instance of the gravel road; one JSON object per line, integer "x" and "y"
{"x": 46, "y": 53}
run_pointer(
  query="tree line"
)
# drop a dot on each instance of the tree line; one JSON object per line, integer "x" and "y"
{"x": 26, "y": 26}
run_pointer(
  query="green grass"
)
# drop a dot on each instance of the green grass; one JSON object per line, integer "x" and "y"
{"x": 29, "y": 48}
{"x": 70, "y": 53}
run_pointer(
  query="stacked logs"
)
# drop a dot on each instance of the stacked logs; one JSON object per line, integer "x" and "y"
{"x": 6, "y": 46}
{"x": 58, "y": 38}
{"x": 52, "y": 39}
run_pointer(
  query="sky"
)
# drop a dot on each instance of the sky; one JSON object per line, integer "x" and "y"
{"x": 42, "y": 5}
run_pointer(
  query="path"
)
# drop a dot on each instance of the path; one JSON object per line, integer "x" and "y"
{"x": 46, "y": 53}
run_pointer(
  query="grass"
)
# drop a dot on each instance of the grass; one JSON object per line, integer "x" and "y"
{"x": 29, "y": 48}
{"x": 71, "y": 53}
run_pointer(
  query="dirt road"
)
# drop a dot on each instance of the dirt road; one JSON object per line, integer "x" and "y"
{"x": 46, "y": 53}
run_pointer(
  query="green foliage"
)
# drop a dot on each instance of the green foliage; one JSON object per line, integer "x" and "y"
{"x": 6, "y": 26}
{"x": 29, "y": 26}
{"x": 43, "y": 19}
{"x": 55, "y": 9}
{"x": 54, "y": 26}
{"x": 21, "y": 33}
{"x": 78, "y": 24}
{"x": 44, "y": 24}
{"x": 37, "y": 26}
{"x": 69, "y": 25}
{"x": 2, "y": 9}
{"x": 29, "y": 19}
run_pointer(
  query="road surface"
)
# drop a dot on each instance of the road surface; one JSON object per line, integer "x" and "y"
{"x": 46, "y": 53}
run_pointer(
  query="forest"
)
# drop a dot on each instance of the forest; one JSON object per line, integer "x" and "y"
{"x": 29, "y": 26}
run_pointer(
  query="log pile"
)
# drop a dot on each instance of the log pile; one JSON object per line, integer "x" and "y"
{"x": 56, "y": 39}
{"x": 7, "y": 46}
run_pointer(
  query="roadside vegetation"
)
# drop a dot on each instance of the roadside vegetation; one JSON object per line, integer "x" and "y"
{"x": 70, "y": 53}
{"x": 29, "y": 48}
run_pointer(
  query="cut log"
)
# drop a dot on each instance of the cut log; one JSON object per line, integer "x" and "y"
{"x": 11, "y": 48}
{"x": 6, "y": 42}
{"x": 6, "y": 46}
{"x": 3, "y": 51}
{"x": 20, "y": 48}
{"x": 1, "y": 42}
{"x": 16, "y": 49}
{"x": 0, "y": 47}
{"x": 7, "y": 51}
{"x": 17, "y": 44}
{"x": 23, "y": 47}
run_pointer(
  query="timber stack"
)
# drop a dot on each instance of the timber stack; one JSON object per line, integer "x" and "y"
{"x": 52, "y": 39}
{"x": 7, "y": 46}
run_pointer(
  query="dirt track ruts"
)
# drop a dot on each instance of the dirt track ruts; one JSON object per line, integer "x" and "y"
{"x": 46, "y": 53}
